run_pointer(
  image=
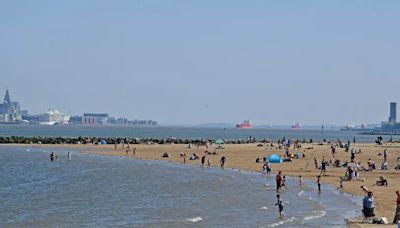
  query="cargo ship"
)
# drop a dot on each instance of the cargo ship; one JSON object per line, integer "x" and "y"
{"x": 245, "y": 125}
{"x": 296, "y": 126}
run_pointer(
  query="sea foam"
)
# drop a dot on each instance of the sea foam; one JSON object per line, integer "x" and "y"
{"x": 194, "y": 220}
{"x": 317, "y": 216}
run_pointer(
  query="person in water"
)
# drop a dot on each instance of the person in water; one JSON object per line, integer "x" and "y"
{"x": 301, "y": 182}
{"x": 278, "y": 181}
{"x": 280, "y": 206}
{"x": 340, "y": 188}
{"x": 52, "y": 156}
{"x": 318, "y": 182}
{"x": 69, "y": 156}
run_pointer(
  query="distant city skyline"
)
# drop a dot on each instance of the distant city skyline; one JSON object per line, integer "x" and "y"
{"x": 189, "y": 63}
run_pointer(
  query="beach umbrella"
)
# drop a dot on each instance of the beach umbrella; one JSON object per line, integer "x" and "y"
{"x": 274, "y": 158}
{"x": 219, "y": 141}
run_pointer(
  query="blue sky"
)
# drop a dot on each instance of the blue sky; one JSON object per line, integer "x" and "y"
{"x": 191, "y": 62}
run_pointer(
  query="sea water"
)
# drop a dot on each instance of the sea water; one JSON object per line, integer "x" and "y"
{"x": 181, "y": 132}
{"x": 103, "y": 191}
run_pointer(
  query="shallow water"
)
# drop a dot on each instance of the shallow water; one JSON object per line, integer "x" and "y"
{"x": 100, "y": 191}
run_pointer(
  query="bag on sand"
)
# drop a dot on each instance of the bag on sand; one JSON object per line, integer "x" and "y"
{"x": 380, "y": 221}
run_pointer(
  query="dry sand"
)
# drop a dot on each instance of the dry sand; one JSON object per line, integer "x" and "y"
{"x": 243, "y": 157}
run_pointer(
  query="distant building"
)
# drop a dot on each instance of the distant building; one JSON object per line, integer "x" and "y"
{"x": 75, "y": 120}
{"x": 122, "y": 120}
{"x": 95, "y": 118}
{"x": 391, "y": 126}
{"x": 392, "y": 117}
{"x": 143, "y": 122}
{"x": 10, "y": 112}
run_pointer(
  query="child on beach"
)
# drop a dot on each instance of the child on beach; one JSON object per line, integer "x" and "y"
{"x": 284, "y": 183}
{"x": 318, "y": 182}
{"x": 280, "y": 206}
{"x": 301, "y": 182}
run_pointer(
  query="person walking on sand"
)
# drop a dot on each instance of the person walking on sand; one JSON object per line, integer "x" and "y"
{"x": 280, "y": 206}
{"x": 134, "y": 151}
{"x": 222, "y": 162}
{"x": 318, "y": 182}
{"x": 397, "y": 214}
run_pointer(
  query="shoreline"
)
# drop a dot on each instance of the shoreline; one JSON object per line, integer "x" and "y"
{"x": 242, "y": 157}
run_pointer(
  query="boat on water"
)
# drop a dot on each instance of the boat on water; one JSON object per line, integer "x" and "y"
{"x": 297, "y": 126}
{"x": 362, "y": 127}
{"x": 245, "y": 125}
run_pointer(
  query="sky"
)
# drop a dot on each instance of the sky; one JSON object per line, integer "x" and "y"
{"x": 193, "y": 62}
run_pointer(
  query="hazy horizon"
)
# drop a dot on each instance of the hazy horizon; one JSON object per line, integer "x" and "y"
{"x": 197, "y": 62}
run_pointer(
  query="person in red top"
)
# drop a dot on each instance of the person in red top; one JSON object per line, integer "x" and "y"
{"x": 397, "y": 215}
{"x": 279, "y": 180}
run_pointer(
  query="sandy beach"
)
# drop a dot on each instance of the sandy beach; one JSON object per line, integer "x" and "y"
{"x": 244, "y": 157}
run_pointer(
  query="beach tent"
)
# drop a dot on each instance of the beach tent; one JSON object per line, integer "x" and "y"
{"x": 274, "y": 158}
{"x": 103, "y": 142}
{"x": 219, "y": 141}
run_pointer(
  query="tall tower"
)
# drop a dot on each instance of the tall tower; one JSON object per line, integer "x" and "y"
{"x": 7, "y": 99}
{"x": 392, "y": 117}
{"x": 7, "y": 107}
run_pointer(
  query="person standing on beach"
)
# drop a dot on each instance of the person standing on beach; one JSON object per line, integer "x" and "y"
{"x": 318, "y": 182}
{"x": 333, "y": 150}
{"x": 134, "y": 151}
{"x": 397, "y": 214}
{"x": 368, "y": 206}
{"x": 222, "y": 162}
{"x": 353, "y": 155}
{"x": 209, "y": 162}
{"x": 316, "y": 163}
{"x": 323, "y": 168}
{"x": 203, "y": 159}
{"x": 280, "y": 206}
